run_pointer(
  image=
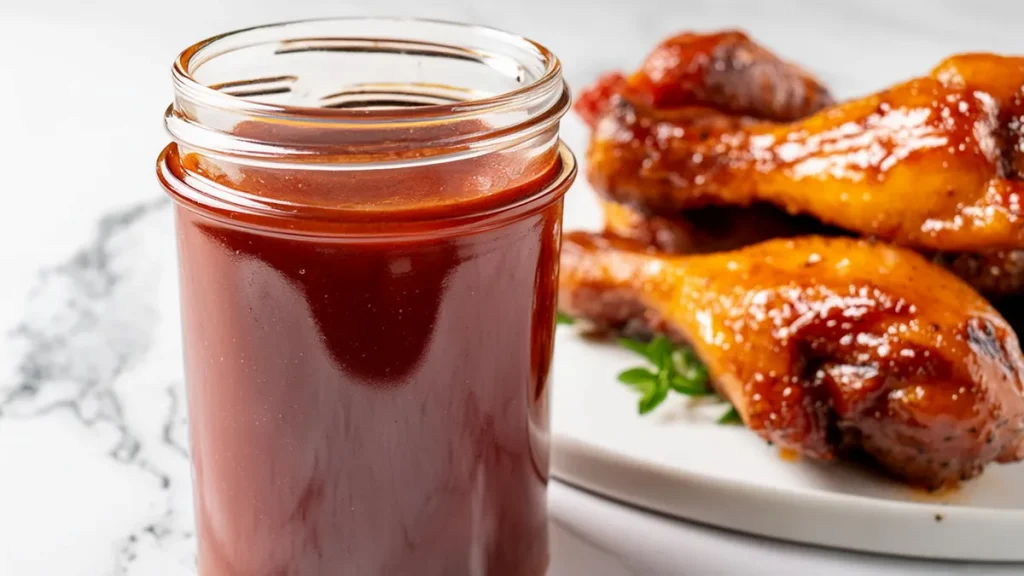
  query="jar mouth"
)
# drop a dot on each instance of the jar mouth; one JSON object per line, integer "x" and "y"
{"x": 365, "y": 85}
{"x": 216, "y": 46}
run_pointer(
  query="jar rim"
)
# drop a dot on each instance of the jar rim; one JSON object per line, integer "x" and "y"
{"x": 197, "y": 54}
{"x": 200, "y": 196}
{"x": 219, "y": 119}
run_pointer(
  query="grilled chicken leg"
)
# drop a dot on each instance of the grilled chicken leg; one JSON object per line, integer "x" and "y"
{"x": 724, "y": 71}
{"x": 930, "y": 163}
{"x": 826, "y": 344}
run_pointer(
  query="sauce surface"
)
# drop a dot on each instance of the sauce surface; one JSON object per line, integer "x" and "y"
{"x": 374, "y": 405}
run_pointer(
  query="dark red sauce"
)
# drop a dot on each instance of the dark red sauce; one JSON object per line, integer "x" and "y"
{"x": 369, "y": 398}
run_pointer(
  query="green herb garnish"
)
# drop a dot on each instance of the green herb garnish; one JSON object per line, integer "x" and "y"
{"x": 563, "y": 318}
{"x": 731, "y": 417}
{"x": 671, "y": 369}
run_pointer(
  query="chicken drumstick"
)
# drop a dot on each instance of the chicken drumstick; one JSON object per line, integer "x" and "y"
{"x": 826, "y": 344}
{"x": 931, "y": 163}
{"x": 724, "y": 71}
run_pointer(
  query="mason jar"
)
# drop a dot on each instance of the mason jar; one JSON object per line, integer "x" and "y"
{"x": 368, "y": 217}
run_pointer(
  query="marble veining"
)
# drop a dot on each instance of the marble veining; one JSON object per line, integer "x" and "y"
{"x": 88, "y": 326}
{"x": 68, "y": 318}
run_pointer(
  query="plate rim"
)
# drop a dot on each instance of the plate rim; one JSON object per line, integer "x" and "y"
{"x": 933, "y": 531}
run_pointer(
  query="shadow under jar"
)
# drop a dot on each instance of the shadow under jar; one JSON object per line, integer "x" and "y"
{"x": 368, "y": 220}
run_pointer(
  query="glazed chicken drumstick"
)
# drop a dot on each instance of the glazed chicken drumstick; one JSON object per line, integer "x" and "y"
{"x": 826, "y": 345}
{"x": 713, "y": 82}
{"x": 931, "y": 163}
{"x": 724, "y": 71}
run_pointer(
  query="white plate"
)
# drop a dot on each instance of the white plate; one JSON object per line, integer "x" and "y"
{"x": 680, "y": 461}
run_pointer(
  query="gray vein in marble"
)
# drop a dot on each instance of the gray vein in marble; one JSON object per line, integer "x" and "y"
{"x": 61, "y": 337}
{"x": 87, "y": 324}
{"x": 168, "y": 531}
{"x": 175, "y": 424}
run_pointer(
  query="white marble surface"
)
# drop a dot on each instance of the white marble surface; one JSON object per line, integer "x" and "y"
{"x": 94, "y": 477}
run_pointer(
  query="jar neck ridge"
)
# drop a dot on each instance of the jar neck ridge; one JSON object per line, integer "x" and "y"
{"x": 363, "y": 93}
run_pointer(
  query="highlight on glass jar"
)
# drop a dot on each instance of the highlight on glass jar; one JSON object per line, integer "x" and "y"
{"x": 368, "y": 217}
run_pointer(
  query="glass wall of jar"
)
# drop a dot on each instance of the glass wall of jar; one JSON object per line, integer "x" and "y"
{"x": 368, "y": 217}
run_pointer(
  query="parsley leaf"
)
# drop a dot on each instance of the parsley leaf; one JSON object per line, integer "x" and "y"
{"x": 674, "y": 369}
{"x": 660, "y": 353}
{"x": 731, "y": 417}
{"x": 635, "y": 345}
{"x": 635, "y": 376}
{"x": 563, "y": 318}
{"x": 669, "y": 369}
{"x": 651, "y": 400}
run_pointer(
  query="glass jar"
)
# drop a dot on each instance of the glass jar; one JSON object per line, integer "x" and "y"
{"x": 368, "y": 220}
